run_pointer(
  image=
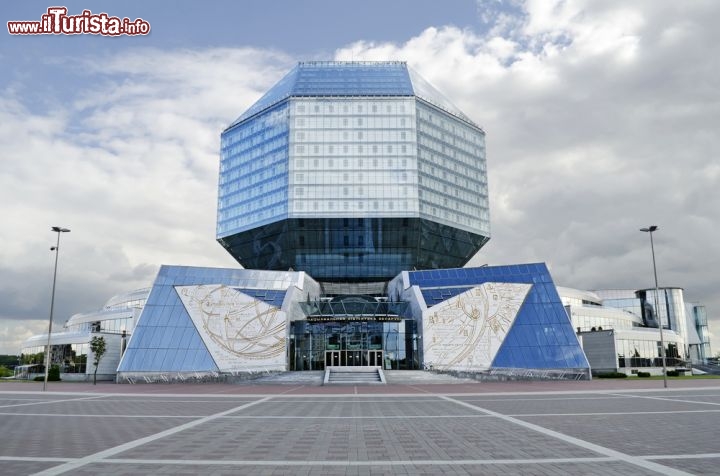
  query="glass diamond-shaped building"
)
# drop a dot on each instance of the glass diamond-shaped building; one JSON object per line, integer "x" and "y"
{"x": 353, "y": 172}
{"x": 352, "y": 194}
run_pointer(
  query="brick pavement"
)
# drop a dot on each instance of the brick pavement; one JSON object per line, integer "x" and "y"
{"x": 541, "y": 428}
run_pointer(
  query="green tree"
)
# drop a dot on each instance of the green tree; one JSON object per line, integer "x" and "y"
{"x": 98, "y": 348}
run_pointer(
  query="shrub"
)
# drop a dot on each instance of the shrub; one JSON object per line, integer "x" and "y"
{"x": 612, "y": 375}
{"x": 54, "y": 373}
{"x": 673, "y": 373}
{"x": 643, "y": 374}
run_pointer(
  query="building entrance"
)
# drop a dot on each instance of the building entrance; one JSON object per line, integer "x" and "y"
{"x": 315, "y": 345}
{"x": 353, "y": 358}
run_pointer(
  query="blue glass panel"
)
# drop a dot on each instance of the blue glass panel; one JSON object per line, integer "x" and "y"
{"x": 163, "y": 333}
{"x": 253, "y": 180}
{"x": 435, "y": 296}
{"x": 542, "y": 344}
{"x": 274, "y": 298}
{"x": 277, "y": 93}
{"x": 352, "y": 79}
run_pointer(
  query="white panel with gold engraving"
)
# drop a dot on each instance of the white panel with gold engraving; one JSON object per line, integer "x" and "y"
{"x": 242, "y": 333}
{"x": 466, "y": 331}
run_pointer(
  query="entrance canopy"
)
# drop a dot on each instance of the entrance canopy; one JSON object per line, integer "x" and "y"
{"x": 353, "y": 307}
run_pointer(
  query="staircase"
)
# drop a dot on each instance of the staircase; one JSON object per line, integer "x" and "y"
{"x": 353, "y": 375}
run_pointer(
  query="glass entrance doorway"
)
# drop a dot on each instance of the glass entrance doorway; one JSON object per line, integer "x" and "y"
{"x": 353, "y": 358}
{"x": 387, "y": 344}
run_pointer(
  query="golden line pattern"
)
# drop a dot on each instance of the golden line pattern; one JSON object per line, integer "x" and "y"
{"x": 238, "y": 330}
{"x": 466, "y": 331}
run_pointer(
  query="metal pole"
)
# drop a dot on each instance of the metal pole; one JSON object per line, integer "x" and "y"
{"x": 52, "y": 305}
{"x": 657, "y": 311}
{"x": 56, "y": 248}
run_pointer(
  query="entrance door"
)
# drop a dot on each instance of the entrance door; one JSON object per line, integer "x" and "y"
{"x": 354, "y": 358}
{"x": 332, "y": 358}
{"x": 375, "y": 358}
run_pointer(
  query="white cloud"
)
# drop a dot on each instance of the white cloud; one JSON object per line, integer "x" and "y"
{"x": 129, "y": 165}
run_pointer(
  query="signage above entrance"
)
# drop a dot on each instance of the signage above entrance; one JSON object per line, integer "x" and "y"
{"x": 335, "y": 318}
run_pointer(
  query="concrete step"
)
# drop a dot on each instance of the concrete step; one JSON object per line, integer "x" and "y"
{"x": 354, "y": 375}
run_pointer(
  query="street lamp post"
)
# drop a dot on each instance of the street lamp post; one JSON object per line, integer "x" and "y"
{"x": 56, "y": 249}
{"x": 650, "y": 231}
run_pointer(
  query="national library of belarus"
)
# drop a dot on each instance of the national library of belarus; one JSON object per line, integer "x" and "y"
{"x": 353, "y": 194}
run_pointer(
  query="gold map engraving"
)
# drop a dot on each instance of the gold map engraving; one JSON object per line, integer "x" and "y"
{"x": 466, "y": 331}
{"x": 241, "y": 327}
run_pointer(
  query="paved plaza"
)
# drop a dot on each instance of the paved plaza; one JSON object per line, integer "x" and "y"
{"x": 540, "y": 428}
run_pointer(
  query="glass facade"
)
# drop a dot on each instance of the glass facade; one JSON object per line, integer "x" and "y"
{"x": 647, "y": 353}
{"x": 390, "y": 345}
{"x": 541, "y": 335}
{"x": 253, "y": 183}
{"x": 71, "y": 358}
{"x": 165, "y": 338}
{"x": 452, "y": 175}
{"x": 381, "y": 179}
{"x": 353, "y": 157}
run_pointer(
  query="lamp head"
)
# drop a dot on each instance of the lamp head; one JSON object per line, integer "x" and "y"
{"x": 649, "y": 229}
{"x": 58, "y": 229}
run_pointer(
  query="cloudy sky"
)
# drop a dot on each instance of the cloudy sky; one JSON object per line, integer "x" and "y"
{"x": 601, "y": 118}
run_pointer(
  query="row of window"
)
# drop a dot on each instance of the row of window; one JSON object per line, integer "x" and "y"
{"x": 233, "y": 195}
{"x": 355, "y": 163}
{"x": 349, "y": 106}
{"x": 336, "y": 138}
{"x": 455, "y": 127}
{"x": 257, "y": 158}
{"x": 251, "y": 219}
{"x": 354, "y": 149}
{"x": 383, "y": 176}
{"x": 244, "y": 218}
{"x": 365, "y": 122}
{"x": 461, "y": 145}
{"x": 383, "y": 206}
{"x": 375, "y": 190}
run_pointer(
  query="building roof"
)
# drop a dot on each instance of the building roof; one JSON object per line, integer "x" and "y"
{"x": 352, "y": 79}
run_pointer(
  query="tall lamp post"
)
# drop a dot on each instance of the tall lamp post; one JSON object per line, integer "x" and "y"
{"x": 650, "y": 231}
{"x": 56, "y": 249}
